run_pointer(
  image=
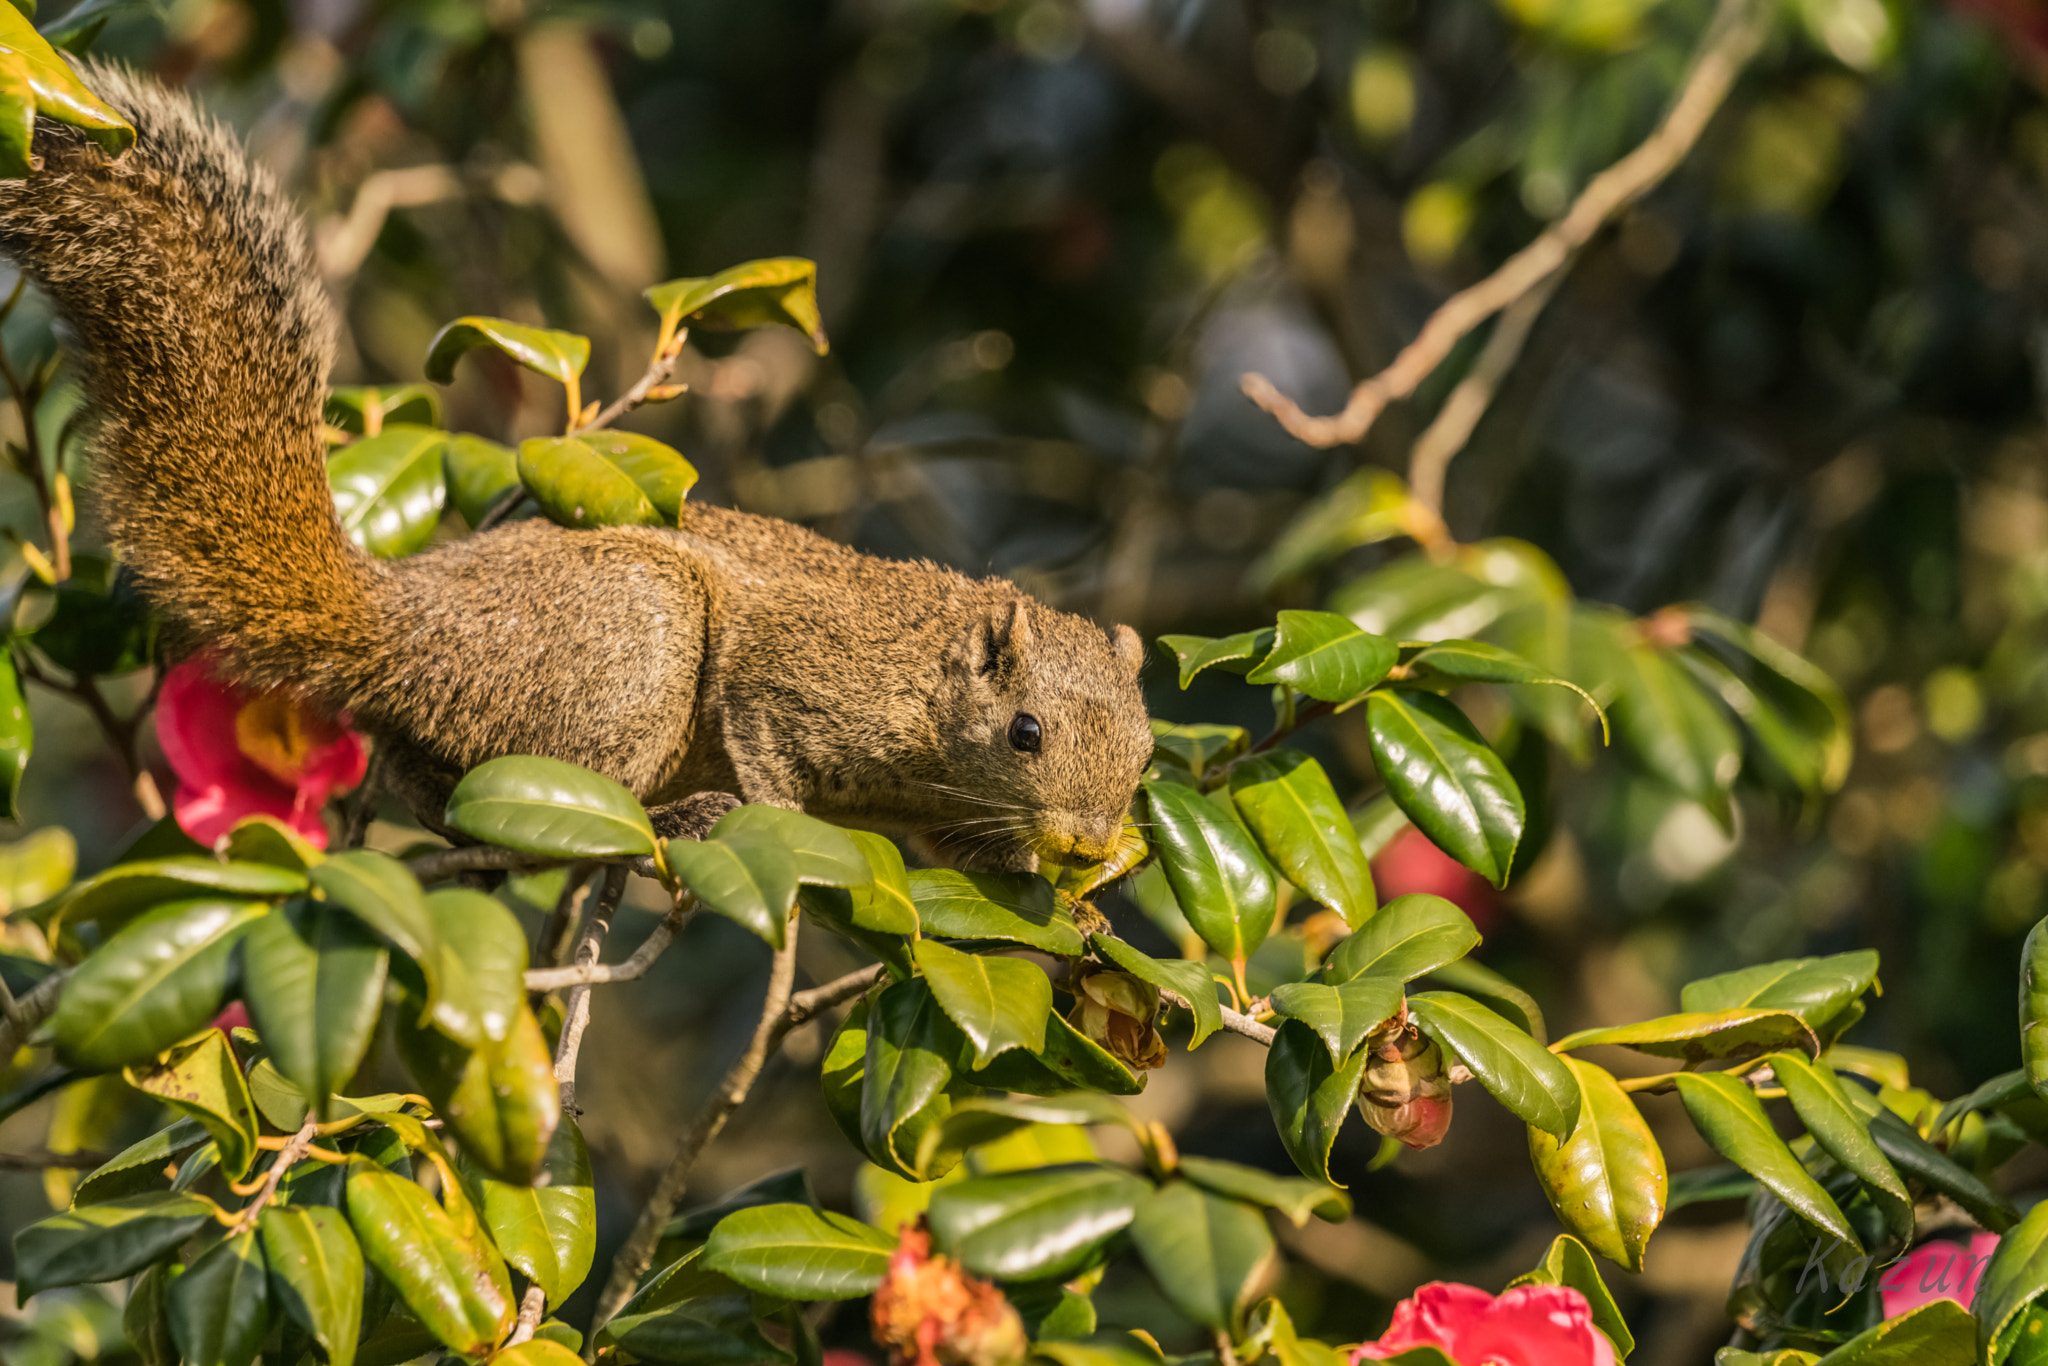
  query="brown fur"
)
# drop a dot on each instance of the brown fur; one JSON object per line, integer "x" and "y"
{"x": 735, "y": 654}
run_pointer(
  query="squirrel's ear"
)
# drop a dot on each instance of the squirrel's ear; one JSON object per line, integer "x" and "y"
{"x": 1130, "y": 650}
{"x": 995, "y": 642}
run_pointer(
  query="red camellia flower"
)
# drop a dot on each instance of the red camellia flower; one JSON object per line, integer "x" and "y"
{"x": 929, "y": 1312}
{"x": 1410, "y": 863}
{"x": 1531, "y": 1325}
{"x": 239, "y": 753}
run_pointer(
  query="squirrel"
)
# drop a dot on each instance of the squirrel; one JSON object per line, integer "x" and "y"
{"x": 733, "y": 657}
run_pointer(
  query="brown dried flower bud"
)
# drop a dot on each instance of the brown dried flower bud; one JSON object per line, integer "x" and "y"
{"x": 929, "y": 1312}
{"x": 1406, "y": 1090}
{"x": 1117, "y": 1010}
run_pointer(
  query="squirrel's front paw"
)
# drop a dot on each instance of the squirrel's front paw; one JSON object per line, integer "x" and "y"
{"x": 692, "y": 817}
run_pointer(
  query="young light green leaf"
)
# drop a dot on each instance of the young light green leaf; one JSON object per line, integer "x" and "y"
{"x": 157, "y": 981}
{"x": 999, "y": 1003}
{"x": 1289, "y": 806}
{"x": 1729, "y": 1116}
{"x": 1701, "y": 1036}
{"x": 1034, "y": 1225}
{"x": 36, "y": 867}
{"x": 560, "y": 356}
{"x": 659, "y": 471}
{"x": 548, "y": 807}
{"x": 201, "y": 1078}
{"x": 17, "y": 736}
{"x": 1369, "y": 505}
{"x": 1607, "y": 1181}
{"x": 1937, "y": 1334}
{"x": 2015, "y": 1278}
{"x": 1815, "y": 989}
{"x": 798, "y": 1253}
{"x": 1447, "y": 780}
{"x": 577, "y": 487}
{"x": 1293, "y": 1197}
{"x": 389, "y": 489}
{"x": 1325, "y": 656}
{"x": 59, "y": 92}
{"x": 1522, "y": 1075}
{"x": 779, "y": 289}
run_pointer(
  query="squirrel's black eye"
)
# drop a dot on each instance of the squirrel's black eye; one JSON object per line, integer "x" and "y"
{"x": 1024, "y": 733}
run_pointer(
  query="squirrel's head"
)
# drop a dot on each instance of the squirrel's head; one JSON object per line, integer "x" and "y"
{"x": 1046, "y": 736}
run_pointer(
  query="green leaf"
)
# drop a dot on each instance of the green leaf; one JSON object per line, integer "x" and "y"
{"x": 499, "y": 1098}
{"x": 113, "y": 898}
{"x": 537, "y": 1351}
{"x": 35, "y": 868}
{"x": 779, "y": 289}
{"x": 1099, "y": 1349}
{"x": 911, "y": 1046}
{"x": 577, "y": 487}
{"x": 1477, "y": 661}
{"x": 1817, "y": 1098}
{"x": 99, "y": 621}
{"x": 879, "y": 914}
{"x": 1341, "y": 1016}
{"x": 349, "y": 406}
{"x": 146, "y": 1320}
{"x": 1219, "y": 877}
{"x": 1289, "y": 806}
{"x": 1069, "y": 1059}
{"x": 1208, "y": 1254}
{"x": 1701, "y": 1036}
{"x": 748, "y": 867}
{"x": 2034, "y": 1007}
{"x": 1607, "y": 1182}
{"x": 479, "y": 474}
{"x": 314, "y": 981}
{"x": 17, "y": 737}
{"x": 2016, "y": 1277}
{"x": 548, "y": 807}
{"x": 1196, "y": 748}
{"x": 220, "y": 1307}
{"x": 266, "y": 839}
{"x": 17, "y": 116}
{"x": 560, "y": 356}
{"x": 201, "y": 1079}
{"x": 1309, "y": 1095}
{"x": 1567, "y": 1263}
{"x": 139, "y": 1168}
{"x": 316, "y": 1274}
{"x": 1290, "y": 1196}
{"x": 686, "y": 1314}
{"x": 842, "y": 1077}
{"x": 1817, "y": 990}
{"x": 1237, "y": 654}
{"x": 1272, "y": 1327}
{"x": 999, "y": 1003}
{"x": 1789, "y": 683}
{"x": 1733, "y": 1122}
{"x": 799, "y": 1253}
{"x": 1015, "y": 907}
{"x": 1676, "y": 731}
{"x": 453, "y": 1283}
{"x": 60, "y": 94}
{"x": 1921, "y": 1161}
{"x": 1409, "y": 936}
{"x": 1522, "y": 1075}
{"x": 547, "y": 1230}
{"x": 1046, "y": 1224}
{"x": 157, "y": 981}
{"x": 105, "y": 1241}
{"x": 1937, "y": 1334}
{"x": 660, "y": 472}
{"x": 1415, "y": 598}
{"x": 1369, "y": 505}
{"x": 1325, "y": 656}
{"x": 1494, "y": 991}
{"x": 389, "y": 489}
{"x": 1447, "y": 779}
{"x": 1188, "y": 980}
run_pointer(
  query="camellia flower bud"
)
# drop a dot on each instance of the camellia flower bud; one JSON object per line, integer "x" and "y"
{"x": 1406, "y": 1090}
{"x": 928, "y": 1312}
{"x": 1117, "y": 1010}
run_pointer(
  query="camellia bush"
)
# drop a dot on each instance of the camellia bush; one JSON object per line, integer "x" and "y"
{"x": 238, "y": 963}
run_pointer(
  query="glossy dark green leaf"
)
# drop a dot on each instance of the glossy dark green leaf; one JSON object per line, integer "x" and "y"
{"x": 1238, "y": 654}
{"x": 777, "y": 289}
{"x": 687, "y": 1315}
{"x": 1045, "y": 1224}
{"x": 316, "y": 1275}
{"x": 480, "y": 474}
{"x": 313, "y": 977}
{"x": 1814, "y": 989}
{"x": 1729, "y": 1116}
{"x": 1817, "y": 1098}
{"x": 911, "y": 1048}
{"x": 1447, "y": 779}
{"x": 1701, "y": 1036}
{"x": 1918, "y": 1160}
{"x": 389, "y": 489}
{"x": 1407, "y": 937}
{"x": 483, "y": 950}
{"x": 1309, "y": 1096}
{"x": 201, "y": 1079}
{"x": 1568, "y": 1263}
{"x": 1341, "y": 1016}
{"x": 60, "y": 94}
{"x": 99, "y": 623}
{"x": 1069, "y": 1060}
{"x": 1675, "y": 730}
{"x": 453, "y": 1283}
{"x": 879, "y": 915}
{"x": 1188, "y": 980}
{"x": 1607, "y": 1182}
{"x": 139, "y": 1168}
{"x": 1529, "y": 1080}
{"x": 577, "y": 487}
{"x": 1290, "y": 1196}
{"x": 220, "y": 1308}
{"x": 999, "y": 1003}
{"x": 1208, "y": 1254}
{"x": 499, "y": 1098}
{"x": 105, "y": 1241}
{"x": 113, "y": 898}
{"x": 750, "y": 864}
{"x": 1220, "y": 878}
{"x": 1287, "y": 803}
{"x": 842, "y": 1076}
{"x": 157, "y": 981}
{"x": 146, "y": 1318}
{"x": 379, "y": 891}
{"x": 799, "y": 1253}
{"x": 560, "y": 356}
{"x": 1016, "y": 907}
{"x": 1792, "y": 685}
{"x": 547, "y": 1230}
{"x": 1325, "y": 655}
{"x": 545, "y": 806}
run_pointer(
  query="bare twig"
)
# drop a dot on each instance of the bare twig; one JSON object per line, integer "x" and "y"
{"x": 500, "y": 510}
{"x": 10, "y": 1010}
{"x": 576, "y": 1010}
{"x": 532, "y": 1307}
{"x": 1234, "y": 1021}
{"x": 295, "y": 1148}
{"x": 634, "y": 1258}
{"x": 30, "y": 1011}
{"x": 343, "y": 243}
{"x": 593, "y": 973}
{"x": 808, "y": 1005}
{"x": 1730, "y": 41}
{"x": 657, "y": 372}
{"x": 363, "y": 806}
{"x": 474, "y": 858}
{"x": 44, "y": 1160}
{"x": 25, "y": 398}
{"x": 553, "y": 945}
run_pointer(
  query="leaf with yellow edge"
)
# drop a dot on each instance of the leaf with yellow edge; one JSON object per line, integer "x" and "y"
{"x": 780, "y": 289}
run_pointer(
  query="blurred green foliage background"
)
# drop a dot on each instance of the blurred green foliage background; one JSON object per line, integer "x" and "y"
{"x": 1803, "y": 383}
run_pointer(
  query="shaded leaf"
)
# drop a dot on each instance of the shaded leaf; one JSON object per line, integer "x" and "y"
{"x": 316, "y": 1274}
{"x": 1207, "y": 1253}
{"x": 1034, "y": 1225}
{"x": 1676, "y": 731}
{"x": 1196, "y": 748}
{"x": 1309, "y": 1096}
{"x": 113, "y": 898}
{"x": 1817, "y": 1098}
{"x": 1290, "y": 1196}
{"x": 220, "y": 1308}
{"x": 479, "y": 474}
{"x": 105, "y": 1241}
{"x": 314, "y": 981}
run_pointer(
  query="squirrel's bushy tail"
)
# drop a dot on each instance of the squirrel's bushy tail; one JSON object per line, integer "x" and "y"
{"x": 205, "y": 338}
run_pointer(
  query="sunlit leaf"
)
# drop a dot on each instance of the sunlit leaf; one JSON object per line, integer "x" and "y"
{"x": 999, "y": 1003}
{"x": 159, "y": 980}
{"x": 560, "y": 356}
{"x": 799, "y": 1253}
{"x": 1447, "y": 779}
{"x": 1729, "y": 1116}
{"x": 1324, "y": 655}
{"x": 202, "y": 1079}
{"x": 1289, "y": 806}
{"x": 1220, "y": 878}
{"x": 780, "y": 289}
{"x": 1034, "y": 1225}
{"x": 546, "y": 806}
{"x": 1522, "y": 1075}
{"x": 389, "y": 489}
{"x": 1607, "y": 1182}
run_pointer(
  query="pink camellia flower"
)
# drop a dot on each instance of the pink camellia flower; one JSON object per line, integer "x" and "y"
{"x": 1410, "y": 863}
{"x": 1939, "y": 1270}
{"x": 239, "y": 753}
{"x": 1531, "y": 1325}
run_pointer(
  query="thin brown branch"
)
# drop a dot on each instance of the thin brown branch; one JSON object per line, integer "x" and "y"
{"x": 657, "y": 373}
{"x": 808, "y": 1005}
{"x": 30, "y": 1011}
{"x": 295, "y": 1148}
{"x": 576, "y": 1010}
{"x": 475, "y": 858}
{"x": 44, "y": 1160}
{"x": 1730, "y": 41}
{"x": 555, "y": 942}
{"x": 533, "y": 1306}
{"x": 500, "y": 510}
{"x": 362, "y": 807}
{"x": 638, "y": 1253}
{"x": 594, "y": 973}
{"x": 1235, "y": 1021}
